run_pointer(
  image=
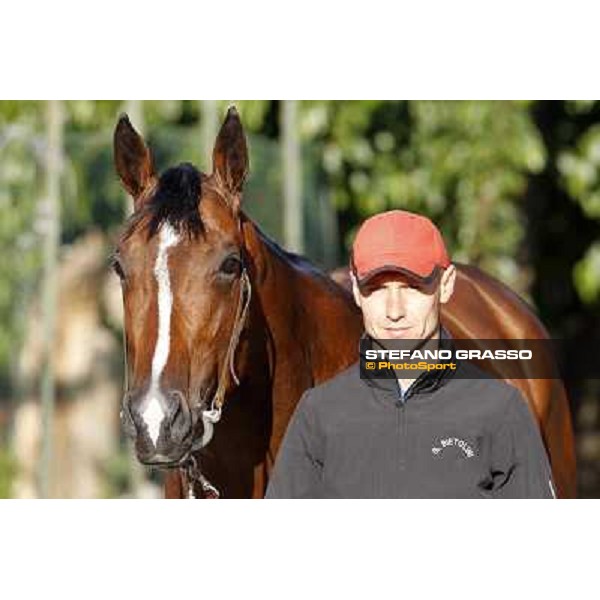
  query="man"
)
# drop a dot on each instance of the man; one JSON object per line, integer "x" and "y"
{"x": 437, "y": 435}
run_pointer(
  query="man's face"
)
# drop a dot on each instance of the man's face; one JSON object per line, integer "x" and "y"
{"x": 395, "y": 307}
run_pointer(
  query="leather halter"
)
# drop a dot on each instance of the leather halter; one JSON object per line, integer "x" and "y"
{"x": 191, "y": 473}
{"x": 213, "y": 415}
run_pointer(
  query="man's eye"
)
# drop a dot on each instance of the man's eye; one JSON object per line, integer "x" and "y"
{"x": 366, "y": 290}
{"x": 370, "y": 288}
{"x": 231, "y": 266}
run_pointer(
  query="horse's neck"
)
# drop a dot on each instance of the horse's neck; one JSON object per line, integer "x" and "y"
{"x": 304, "y": 310}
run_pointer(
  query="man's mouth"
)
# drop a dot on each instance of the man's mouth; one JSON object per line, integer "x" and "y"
{"x": 395, "y": 330}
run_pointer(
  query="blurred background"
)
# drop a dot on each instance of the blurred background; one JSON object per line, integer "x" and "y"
{"x": 514, "y": 186}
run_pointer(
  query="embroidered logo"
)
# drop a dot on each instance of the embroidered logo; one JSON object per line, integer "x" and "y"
{"x": 453, "y": 441}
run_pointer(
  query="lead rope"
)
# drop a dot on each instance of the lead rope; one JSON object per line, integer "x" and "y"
{"x": 212, "y": 416}
{"x": 193, "y": 474}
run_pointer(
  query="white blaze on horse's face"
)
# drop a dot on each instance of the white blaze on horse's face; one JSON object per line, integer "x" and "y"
{"x": 154, "y": 413}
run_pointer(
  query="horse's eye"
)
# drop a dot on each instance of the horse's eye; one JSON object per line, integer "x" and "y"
{"x": 116, "y": 267}
{"x": 231, "y": 266}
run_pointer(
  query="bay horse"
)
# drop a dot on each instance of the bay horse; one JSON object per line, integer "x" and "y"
{"x": 224, "y": 329}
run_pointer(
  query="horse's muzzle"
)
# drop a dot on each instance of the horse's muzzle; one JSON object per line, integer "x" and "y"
{"x": 160, "y": 424}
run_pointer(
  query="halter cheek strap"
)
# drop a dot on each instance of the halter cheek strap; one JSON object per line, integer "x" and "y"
{"x": 192, "y": 473}
{"x": 213, "y": 415}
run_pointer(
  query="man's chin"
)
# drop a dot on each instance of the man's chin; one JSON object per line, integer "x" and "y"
{"x": 404, "y": 338}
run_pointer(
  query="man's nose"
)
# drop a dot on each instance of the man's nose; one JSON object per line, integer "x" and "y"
{"x": 395, "y": 306}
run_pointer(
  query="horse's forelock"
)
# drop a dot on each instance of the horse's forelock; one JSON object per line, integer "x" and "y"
{"x": 176, "y": 200}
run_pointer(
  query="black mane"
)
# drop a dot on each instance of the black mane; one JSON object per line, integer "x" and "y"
{"x": 175, "y": 201}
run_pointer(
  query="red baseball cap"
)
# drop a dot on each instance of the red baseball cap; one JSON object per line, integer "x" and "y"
{"x": 399, "y": 241}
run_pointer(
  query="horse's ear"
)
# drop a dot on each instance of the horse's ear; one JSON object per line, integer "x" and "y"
{"x": 230, "y": 157}
{"x": 133, "y": 160}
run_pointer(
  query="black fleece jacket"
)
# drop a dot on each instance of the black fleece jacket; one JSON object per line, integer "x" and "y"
{"x": 450, "y": 437}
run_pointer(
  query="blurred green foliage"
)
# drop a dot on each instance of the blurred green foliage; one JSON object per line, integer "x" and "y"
{"x": 117, "y": 474}
{"x": 8, "y": 471}
{"x": 21, "y": 185}
{"x": 579, "y": 168}
{"x": 464, "y": 164}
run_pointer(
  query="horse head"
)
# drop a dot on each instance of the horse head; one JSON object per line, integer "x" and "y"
{"x": 181, "y": 263}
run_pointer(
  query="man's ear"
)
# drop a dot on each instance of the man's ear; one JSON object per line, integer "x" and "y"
{"x": 230, "y": 158}
{"x": 132, "y": 159}
{"x": 355, "y": 290}
{"x": 447, "y": 283}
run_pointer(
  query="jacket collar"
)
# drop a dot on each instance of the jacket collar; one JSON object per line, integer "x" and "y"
{"x": 427, "y": 382}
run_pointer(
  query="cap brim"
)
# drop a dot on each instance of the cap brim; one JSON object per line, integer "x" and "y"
{"x": 411, "y": 275}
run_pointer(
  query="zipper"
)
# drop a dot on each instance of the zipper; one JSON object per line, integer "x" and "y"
{"x": 403, "y": 437}
{"x": 402, "y": 429}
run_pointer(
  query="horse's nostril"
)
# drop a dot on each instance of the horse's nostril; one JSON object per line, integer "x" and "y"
{"x": 179, "y": 416}
{"x": 127, "y": 416}
{"x": 174, "y": 407}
